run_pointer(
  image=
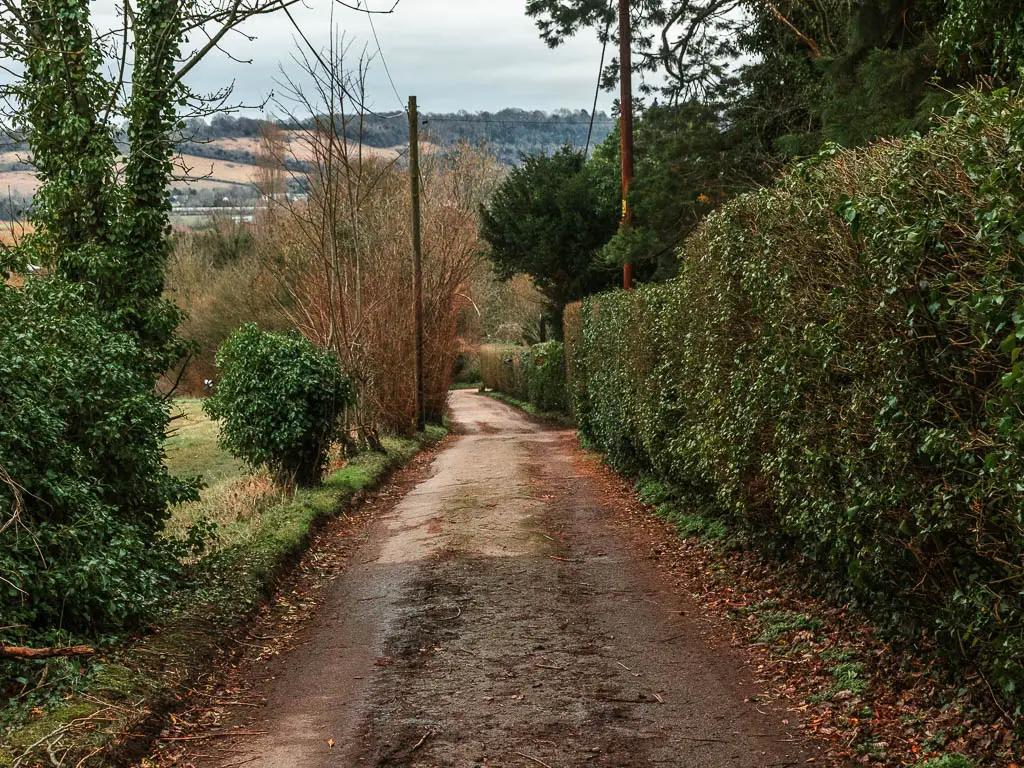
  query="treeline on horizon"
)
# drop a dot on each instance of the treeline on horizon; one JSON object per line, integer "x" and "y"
{"x": 508, "y": 133}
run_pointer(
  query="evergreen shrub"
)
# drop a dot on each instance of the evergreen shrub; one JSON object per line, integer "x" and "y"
{"x": 279, "y": 399}
{"x": 837, "y": 371}
{"x": 546, "y": 376}
{"x": 83, "y": 486}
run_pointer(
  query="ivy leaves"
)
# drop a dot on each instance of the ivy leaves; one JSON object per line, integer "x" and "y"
{"x": 837, "y": 372}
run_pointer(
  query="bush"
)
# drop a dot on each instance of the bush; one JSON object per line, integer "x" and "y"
{"x": 81, "y": 449}
{"x": 532, "y": 374}
{"x": 467, "y": 368}
{"x": 546, "y": 376}
{"x": 501, "y": 369}
{"x": 279, "y": 399}
{"x": 837, "y": 372}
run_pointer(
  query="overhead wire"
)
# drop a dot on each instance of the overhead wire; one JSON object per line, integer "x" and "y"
{"x": 600, "y": 74}
{"x": 554, "y": 121}
{"x": 384, "y": 61}
{"x": 316, "y": 54}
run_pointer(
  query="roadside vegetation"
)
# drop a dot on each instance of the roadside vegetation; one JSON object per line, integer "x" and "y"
{"x": 137, "y": 531}
{"x": 820, "y": 364}
{"x": 244, "y": 532}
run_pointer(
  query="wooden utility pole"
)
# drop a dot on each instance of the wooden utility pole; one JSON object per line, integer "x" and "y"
{"x": 417, "y": 253}
{"x": 626, "y": 127}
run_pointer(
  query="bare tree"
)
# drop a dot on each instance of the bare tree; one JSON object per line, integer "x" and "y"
{"x": 342, "y": 253}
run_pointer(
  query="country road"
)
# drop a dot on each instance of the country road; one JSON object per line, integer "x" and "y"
{"x": 493, "y": 613}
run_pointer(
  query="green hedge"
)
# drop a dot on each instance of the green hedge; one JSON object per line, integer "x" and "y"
{"x": 837, "y": 372}
{"x": 501, "y": 369}
{"x": 532, "y": 374}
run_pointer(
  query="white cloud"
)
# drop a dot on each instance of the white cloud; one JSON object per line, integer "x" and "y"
{"x": 453, "y": 54}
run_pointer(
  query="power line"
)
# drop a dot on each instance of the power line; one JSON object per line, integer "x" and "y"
{"x": 328, "y": 69}
{"x": 380, "y": 50}
{"x": 600, "y": 73}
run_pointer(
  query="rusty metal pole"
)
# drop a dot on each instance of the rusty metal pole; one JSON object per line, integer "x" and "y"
{"x": 417, "y": 254}
{"x": 626, "y": 127}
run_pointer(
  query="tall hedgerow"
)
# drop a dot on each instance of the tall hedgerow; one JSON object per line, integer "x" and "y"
{"x": 534, "y": 374}
{"x": 838, "y": 372}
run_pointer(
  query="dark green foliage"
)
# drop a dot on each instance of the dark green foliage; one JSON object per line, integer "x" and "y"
{"x": 986, "y": 36}
{"x": 81, "y": 437}
{"x": 545, "y": 376}
{"x": 111, "y": 237}
{"x": 534, "y": 375}
{"x": 686, "y": 165}
{"x": 279, "y": 399}
{"x": 799, "y": 75}
{"x": 548, "y": 219}
{"x": 85, "y": 347}
{"x": 837, "y": 372}
{"x": 467, "y": 368}
{"x": 145, "y": 227}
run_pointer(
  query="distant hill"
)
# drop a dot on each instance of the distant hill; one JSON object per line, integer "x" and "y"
{"x": 508, "y": 133}
{"x": 219, "y": 155}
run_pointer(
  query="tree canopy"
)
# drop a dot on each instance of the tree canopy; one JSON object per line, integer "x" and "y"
{"x": 548, "y": 219}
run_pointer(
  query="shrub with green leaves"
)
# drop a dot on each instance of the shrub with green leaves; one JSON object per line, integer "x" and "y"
{"x": 532, "y": 374}
{"x": 546, "y": 376}
{"x": 279, "y": 399}
{"x": 837, "y": 372}
{"x": 81, "y": 450}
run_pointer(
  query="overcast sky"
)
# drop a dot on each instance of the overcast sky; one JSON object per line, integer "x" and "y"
{"x": 452, "y": 54}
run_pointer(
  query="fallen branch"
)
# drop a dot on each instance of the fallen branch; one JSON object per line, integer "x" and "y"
{"x": 537, "y": 760}
{"x": 420, "y": 742}
{"x": 19, "y": 652}
{"x": 201, "y": 736}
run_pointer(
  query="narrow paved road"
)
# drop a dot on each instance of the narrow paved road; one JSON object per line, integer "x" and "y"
{"x": 497, "y": 616}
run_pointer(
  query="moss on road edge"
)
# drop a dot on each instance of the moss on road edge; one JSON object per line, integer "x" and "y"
{"x": 132, "y": 690}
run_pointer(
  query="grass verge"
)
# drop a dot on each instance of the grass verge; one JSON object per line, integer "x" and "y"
{"x": 555, "y": 417}
{"x": 123, "y": 696}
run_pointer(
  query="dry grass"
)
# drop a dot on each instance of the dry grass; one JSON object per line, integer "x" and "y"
{"x": 233, "y": 498}
{"x": 18, "y": 182}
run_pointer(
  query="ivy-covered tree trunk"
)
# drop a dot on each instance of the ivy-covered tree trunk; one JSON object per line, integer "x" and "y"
{"x": 63, "y": 101}
{"x": 107, "y": 236}
{"x": 152, "y": 118}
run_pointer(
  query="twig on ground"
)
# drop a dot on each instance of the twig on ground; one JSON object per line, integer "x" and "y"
{"x": 420, "y": 742}
{"x": 201, "y": 736}
{"x": 18, "y": 652}
{"x": 240, "y": 762}
{"x": 537, "y": 760}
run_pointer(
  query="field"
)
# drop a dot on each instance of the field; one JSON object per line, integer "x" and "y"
{"x": 232, "y": 497}
{"x": 195, "y": 172}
